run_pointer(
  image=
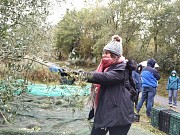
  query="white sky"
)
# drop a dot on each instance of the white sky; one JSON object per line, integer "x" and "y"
{"x": 58, "y": 11}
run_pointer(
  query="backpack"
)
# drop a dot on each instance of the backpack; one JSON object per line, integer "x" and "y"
{"x": 129, "y": 82}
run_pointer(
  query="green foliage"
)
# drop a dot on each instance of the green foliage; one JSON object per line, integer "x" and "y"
{"x": 68, "y": 33}
{"x": 10, "y": 90}
{"x": 22, "y": 25}
{"x": 148, "y": 29}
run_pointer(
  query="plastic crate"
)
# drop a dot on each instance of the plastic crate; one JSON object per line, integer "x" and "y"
{"x": 155, "y": 116}
{"x": 174, "y": 124}
{"x": 164, "y": 120}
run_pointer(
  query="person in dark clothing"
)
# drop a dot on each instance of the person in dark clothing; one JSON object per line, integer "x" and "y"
{"x": 136, "y": 75}
{"x": 150, "y": 77}
{"x": 113, "y": 105}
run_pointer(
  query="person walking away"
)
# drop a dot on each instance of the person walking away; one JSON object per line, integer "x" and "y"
{"x": 113, "y": 106}
{"x": 136, "y": 75}
{"x": 150, "y": 77}
{"x": 173, "y": 85}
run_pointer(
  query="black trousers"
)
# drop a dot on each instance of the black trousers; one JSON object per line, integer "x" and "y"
{"x": 136, "y": 99}
{"x": 119, "y": 130}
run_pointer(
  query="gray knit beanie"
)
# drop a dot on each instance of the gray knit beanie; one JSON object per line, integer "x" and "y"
{"x": 115, "y": 46}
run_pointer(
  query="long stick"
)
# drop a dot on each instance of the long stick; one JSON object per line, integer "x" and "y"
{"x": 33, "y": 59}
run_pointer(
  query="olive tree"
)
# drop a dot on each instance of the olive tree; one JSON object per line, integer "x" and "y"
{"x": 22, "y": 31}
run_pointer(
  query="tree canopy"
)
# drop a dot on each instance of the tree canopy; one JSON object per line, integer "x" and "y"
{"x": 148, "y": 29}
{"x": 22, "y": 28}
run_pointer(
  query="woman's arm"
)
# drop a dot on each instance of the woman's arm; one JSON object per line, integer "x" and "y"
{"x": 107, "y": 78}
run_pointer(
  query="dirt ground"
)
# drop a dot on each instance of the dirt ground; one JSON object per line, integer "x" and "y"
{"x": 164, "y": 102}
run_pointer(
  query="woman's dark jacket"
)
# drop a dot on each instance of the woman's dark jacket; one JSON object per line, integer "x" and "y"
{"x": 115, "y": 107}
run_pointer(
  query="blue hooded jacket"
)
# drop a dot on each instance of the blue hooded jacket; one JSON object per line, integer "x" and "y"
{"x": 173, "y": 82}
{"x": 150, "y": 75}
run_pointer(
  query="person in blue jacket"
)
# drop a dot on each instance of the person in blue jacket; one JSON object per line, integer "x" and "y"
{"x": 173, "y": 85}
{"x": 150, "y": 77}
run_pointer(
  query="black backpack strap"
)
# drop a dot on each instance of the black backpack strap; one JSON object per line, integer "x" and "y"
{"x": 129, "y": 83}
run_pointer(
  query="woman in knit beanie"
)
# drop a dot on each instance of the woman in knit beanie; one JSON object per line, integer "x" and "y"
{"x": 115, "y": 45}
{"x": 112, "y": 104}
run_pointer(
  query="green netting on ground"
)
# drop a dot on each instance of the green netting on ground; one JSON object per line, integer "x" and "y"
{"x": 58, "y": 90}
{"x": 48, "y": 90}
{"x": 48, "y": 113}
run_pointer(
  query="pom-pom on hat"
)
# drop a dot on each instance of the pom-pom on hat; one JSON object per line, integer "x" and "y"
{"x": 114, "y": 46}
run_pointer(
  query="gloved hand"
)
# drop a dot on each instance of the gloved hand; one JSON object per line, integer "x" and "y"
{"x": 106, "y": 61}
{"x": 85, "y": 75}
{"x": 62, "y": 72}
{"x": 65, "y": 77}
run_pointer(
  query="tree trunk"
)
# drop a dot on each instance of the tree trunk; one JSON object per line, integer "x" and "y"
{"x": 155, "y": 45}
